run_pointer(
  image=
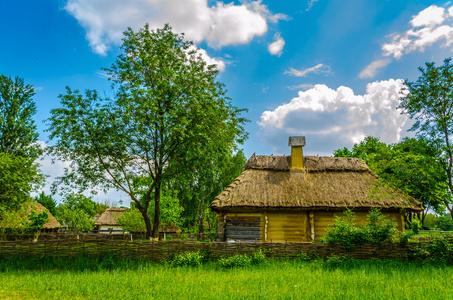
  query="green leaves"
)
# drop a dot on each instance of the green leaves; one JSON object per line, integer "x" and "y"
{"x": 429, "y": 101}
{"x": 18, "y": 133}
{"x": 168, "y": 113}
{"x": 18, "y": 177}
{"x": 413, "y": 166}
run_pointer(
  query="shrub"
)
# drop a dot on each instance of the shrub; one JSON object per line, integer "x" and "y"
{"x": 238, "y": 260}
{"x": 258, "y": 257}
{"x": 304, "y": 257}
{"x": 189, "y": 258}
{"x": 334, "y": 262}
{"x": 344, "y": 231}
{"x": 415, "y": 226}
{"x": 379, "y": 229}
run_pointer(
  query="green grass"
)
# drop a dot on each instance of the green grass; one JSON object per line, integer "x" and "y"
{"x": 350, "y": 279}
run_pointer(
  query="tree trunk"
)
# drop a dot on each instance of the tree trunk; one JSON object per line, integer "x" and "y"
{"x": 144, "y": 212}
{"x": 200, "y": 216}
{"x": 156, "y": 211}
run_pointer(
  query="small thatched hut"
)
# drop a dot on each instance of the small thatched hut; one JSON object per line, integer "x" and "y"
{"x": 294, "y": 198}
{"x": 108, "y": 220}
{"x": 52, "y": 225}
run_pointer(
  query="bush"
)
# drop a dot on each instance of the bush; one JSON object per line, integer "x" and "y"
{"x": 379, "y": 229}
{"x": 238, "y": 260}
{"x": 446, "y": 223}
{"x": 344, "y": 231}
{"x": 415, "y": 226}
{"x": 333, "y": 262}
{"x": 258, "y": 257}
{"x": 189, "y": 258}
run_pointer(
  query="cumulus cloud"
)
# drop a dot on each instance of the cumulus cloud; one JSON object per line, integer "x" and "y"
{"x": 319, "y": 68}
{"x": 220, "y": 24}
{"x": 371, "y": 70}
{"x": 429, "y": 26}
{"x": 332, "y": 119}
{"x": 276, "y": 47}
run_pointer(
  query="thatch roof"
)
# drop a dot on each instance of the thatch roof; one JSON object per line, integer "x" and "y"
{"x": 328, "y": 183}
{"x": 110, "y": 216}
{"x": 52, "y": 223}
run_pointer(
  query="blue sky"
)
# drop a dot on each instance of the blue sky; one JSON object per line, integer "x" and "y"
{"x": 329, "y": 70}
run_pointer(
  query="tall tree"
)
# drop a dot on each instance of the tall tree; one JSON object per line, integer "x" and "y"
{"x": 198, "y": 190}
{"x": 412, "y": 166}
{"x": 429, "y": 101}
{"x": 47, "y": 201}
{"x": 168, "y": 112}
{"x": 19, "y": 174}
{"x": 18, "y": 132}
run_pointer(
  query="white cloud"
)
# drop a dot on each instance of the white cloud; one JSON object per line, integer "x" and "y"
{"x": 319, "y": 68}
{"x": 429, "y": 17}
{"x": 276, "y": 47}
{"x": 371, "y": 70}
{"x": 219, "y": 25}
{"x": 303, "y": 86}
{"x": 429, "y": 26}
{"x": 310, "y": 4}
{"x": 333, "y": 119}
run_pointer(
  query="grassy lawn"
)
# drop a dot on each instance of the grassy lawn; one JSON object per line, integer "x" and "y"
{"x": 272, "y": 280}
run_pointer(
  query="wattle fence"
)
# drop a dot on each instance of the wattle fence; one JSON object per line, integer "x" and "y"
{"x": 68, "y": 246}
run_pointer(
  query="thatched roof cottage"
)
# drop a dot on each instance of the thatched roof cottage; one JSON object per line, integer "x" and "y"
{"x": 108, "y": 220}
{"x": 52, "y": 224}
{"x": 294, "y": 198}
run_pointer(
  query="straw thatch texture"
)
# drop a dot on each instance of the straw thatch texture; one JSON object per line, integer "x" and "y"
{"x": 327, "y": 183}
{"x": 110, "y": 216}
{"x": 311, "y": 163}
{"x": 52, "y": 223}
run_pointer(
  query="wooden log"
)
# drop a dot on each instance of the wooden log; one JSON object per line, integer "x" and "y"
{"x": 242, "y": 228}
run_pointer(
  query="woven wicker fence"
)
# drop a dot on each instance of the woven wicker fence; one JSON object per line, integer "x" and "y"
{"x": 158, "y": 251}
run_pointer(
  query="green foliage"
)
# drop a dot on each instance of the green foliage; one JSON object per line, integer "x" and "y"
{"x": 379, "y": 228}
{"x": 187, "y": 259}
{"x": 198, "y": 189}
{"x": 235, "y": 261}
{"x": 167, "y": 115}
{"x": 132, "y": 220}
{"x": 412, "y": 166}
{"x": 170, "y": 207}
{"x": 47, "y": 201}
{"x": 79, "y": 202}
{"x": 445, "y": 223}
{"x": 18, "y": 177}
{"x": 37, "y": 221}
{"x": 258, "y": 257}
{"x": 75, "y": 218}
{"x": 14, "y": 220}
{"x": 345, "y": 231}
{"x": 18, "y": 132}
{"x": 440, "y": 249}
{"x": 429, "y": 102}
{"x": 334, "y": 262}
{"x": 415, "y": 226}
